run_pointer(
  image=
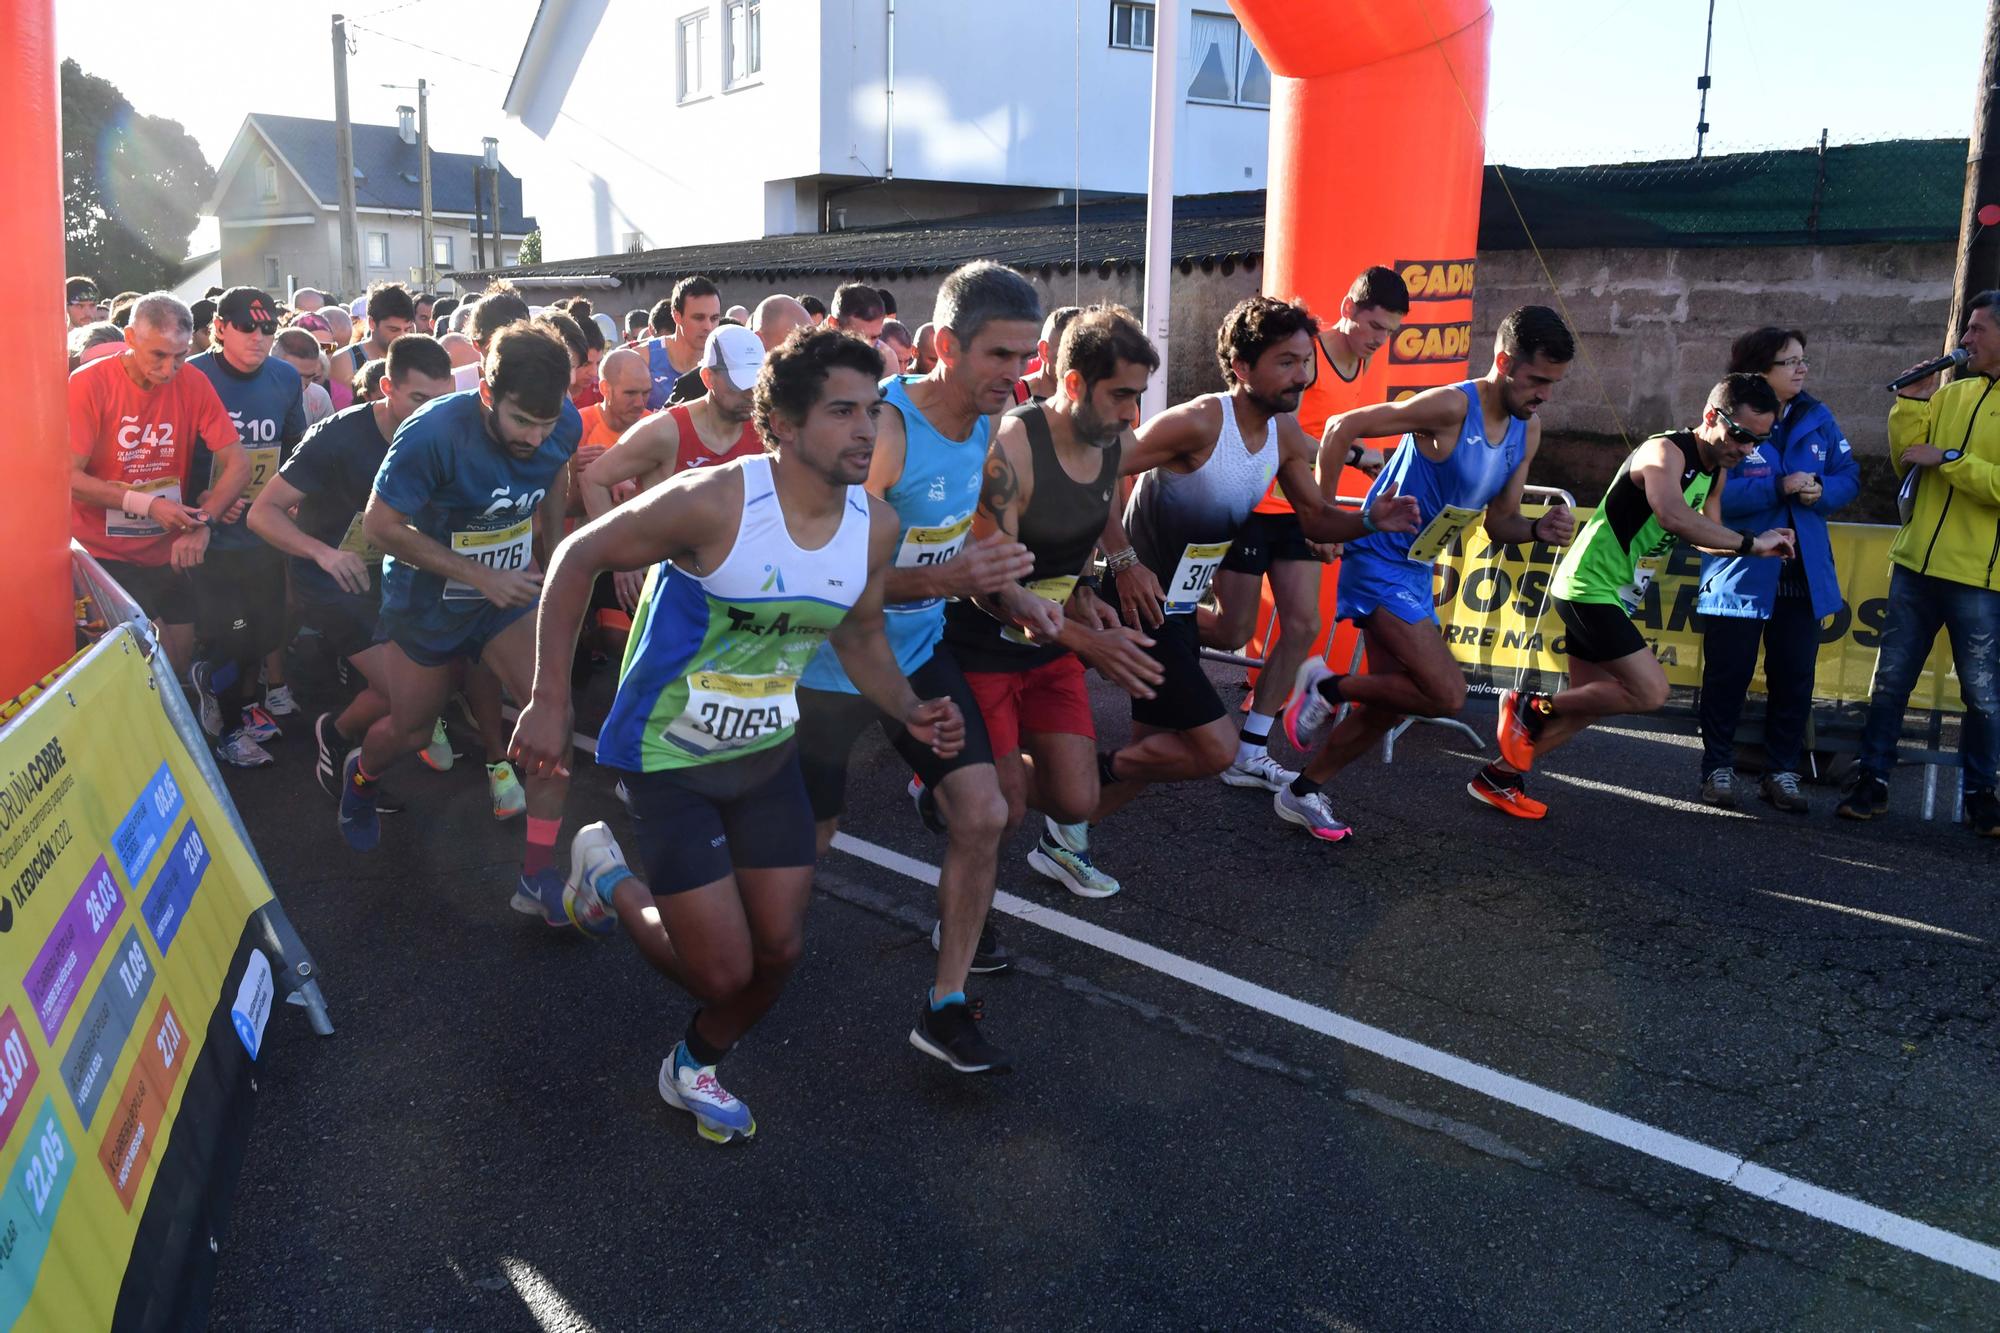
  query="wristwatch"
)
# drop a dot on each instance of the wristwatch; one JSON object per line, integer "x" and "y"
{"x": 1747, "y": 545}
{"x": 1952, "y": 455}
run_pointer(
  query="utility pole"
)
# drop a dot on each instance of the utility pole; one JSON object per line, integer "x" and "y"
{"x": 424, "y": 181}
{"x": 1979, "y": 246}
{"x": 1701, "y": 116}
{"x": 1167, "y": 98}
{"x": 478, "y": 218}
{"x": 492, "y": 147}
{"x": 350, "y": 236}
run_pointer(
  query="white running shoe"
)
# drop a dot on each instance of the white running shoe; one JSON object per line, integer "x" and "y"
{"x": 1063, "y": 855}
{"x": 206, "y": 704}
{"x": 1308, "y": 715}
{"x": 1312, "y": 813}
{"x": 278, "y": 701}
{"x": 593, "y": 855}
{"x": 239, "y": 750}
{"x": 438, "y": 754}
{"x": 509, "y": 797}
{"x": 1259, "y": 770}
{"x": 718, "y": 1116}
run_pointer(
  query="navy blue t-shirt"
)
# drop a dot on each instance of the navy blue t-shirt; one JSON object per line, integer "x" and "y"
{"x": 334, "y": 468}
{"x": 269, "y": 409}
{"x": 461, "y": 487}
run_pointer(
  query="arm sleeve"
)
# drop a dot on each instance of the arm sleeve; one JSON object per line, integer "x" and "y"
{"x": 410, "y": 472}
{"x": 1744, "y": 496}
{"x": 1909, "y": 423}
{"x": 1841, "y": 481}
{"x": 303, "y": 470}
{"x": 294, "y": 429}
{"x": 1977, "y": 477}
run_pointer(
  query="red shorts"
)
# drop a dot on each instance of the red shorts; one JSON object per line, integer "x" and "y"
{"x": 1048, "y": 698}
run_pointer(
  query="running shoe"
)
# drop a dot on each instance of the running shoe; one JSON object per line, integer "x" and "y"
{"x": 327, "y": 742}
{"x": 438, "y": 755}
{"x": 1719, "y": 788}
{"x": 200, "y": 675}
{"x": 596, "y": 864}
{"x": 1259, "y": 770}
{"x": 1982, "y": 814}
{"x": 1867, "y": 798}
{"x": 624, "y": 796}
{"x": 343, "y": 671}
{"x": 718, "y": 1116}
{"x": 1782, "y": 791}
{"x": 951, "y": 1034}
{"x": 1505, "y": 792}
{"x": 1312, "y": 813}
{"x": 278, "y": 701}
{"x": 1308, "y": 713}
{"x": 240, "y": 748}
{"x": 259, "y": 725}
{"x": 509, "y": 797}
{"x": 541, "y": 894}
{"x": 358, "y": 822}
{"x": 927, "y": 807}
{"x": 1063, "y": 855}
{"x": 1522, "y": 714}
{"x": 988, "y": 956}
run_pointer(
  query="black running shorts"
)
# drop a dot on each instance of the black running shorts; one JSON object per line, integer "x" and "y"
{"x": 696, "y": 826}
{"x": 830, "y": 721}
{"x": 1265, "y": 539}
{"x": 1598, "y": 631}
{"x": 1186, "y": 699}
{"x": 345, "y": 622}
{"x": 164, "y": 593}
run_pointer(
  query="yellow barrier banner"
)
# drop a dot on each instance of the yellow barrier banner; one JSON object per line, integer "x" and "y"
{"x": 1488, "y": 594}
{"x": 130, "y": 999}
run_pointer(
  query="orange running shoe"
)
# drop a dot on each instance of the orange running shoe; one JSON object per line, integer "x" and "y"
{"x": 1521, "y": 719}
{"x": 1508, "y": 797}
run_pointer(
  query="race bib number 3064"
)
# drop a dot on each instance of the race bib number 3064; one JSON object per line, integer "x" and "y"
{"x": 728, "y": 712}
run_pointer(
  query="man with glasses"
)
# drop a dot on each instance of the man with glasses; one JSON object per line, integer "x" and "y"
{"x": 1669, "y": 489}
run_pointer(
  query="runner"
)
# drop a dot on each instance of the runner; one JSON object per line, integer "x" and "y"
{"x": 83, "y": 304}
{"x": 858, "y": 309}
{"x": 1271, "y": 544}
{"x": 134, "y": 422}
{"x": 1040, "y": 384}
{"x": 772, "y": 321}
{"x": 240, "y": 586}
{"x": 335, "y": 570}
{"x": 471, "y": 485}
{"x": 1051, "y": 476}
{"x": 701, "y": 730}
{"x": 929, "y": 454}
{"x": 694, "y": 309}
{"x": 1668, "y": 489}
{"x": 926, "y": 350}
{"x": 1465, "y": 454}
{"x": 715, "y": 428}
{"x": 392, "y": 312}
{"x": 624, "y": 383}
{"x": 1202, "y": 466}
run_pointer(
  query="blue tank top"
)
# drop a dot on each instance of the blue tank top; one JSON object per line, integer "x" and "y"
{"x": 663, "y": 373}
{"x": 934, "y": 500}
{"x": 1475, "y": 472}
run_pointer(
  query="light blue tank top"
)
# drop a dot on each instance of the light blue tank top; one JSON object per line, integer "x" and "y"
{"x": 1476, "y": 471}
{"x": 934, "y": 500}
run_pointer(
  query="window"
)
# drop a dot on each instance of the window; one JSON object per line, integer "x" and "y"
{"x": 1227, "y": 68}
{"x": 272, "y": 278}
{"x": 267, "y": 180}
{"x": 378, "y": 249}
{"x": 441, "y": 251}
{"x": 693, "y": 51}
{"x": 743, "y": 31}
{"x": 1131, "y": 26}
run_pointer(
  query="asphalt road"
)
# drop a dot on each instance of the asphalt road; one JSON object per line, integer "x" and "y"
{"x": 480, "y": 1146}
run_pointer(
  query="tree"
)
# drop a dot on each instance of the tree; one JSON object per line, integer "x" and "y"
{"x": 133, "y": 187}
{"x": 531, "y": 248}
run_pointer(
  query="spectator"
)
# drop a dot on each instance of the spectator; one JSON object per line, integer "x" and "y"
{"x": 81, "y": 293}
{"x": 1796, "y": 479}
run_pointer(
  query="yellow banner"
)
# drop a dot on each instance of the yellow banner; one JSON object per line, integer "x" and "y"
{"x": 1488, "y": 595}
{"x": 123, "y": 896}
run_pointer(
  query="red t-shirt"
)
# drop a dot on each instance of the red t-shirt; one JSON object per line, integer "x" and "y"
{"x": 143, "y": 440}
{"x": 692, "y": 452}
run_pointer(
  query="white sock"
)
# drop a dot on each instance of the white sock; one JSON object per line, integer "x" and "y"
{"x": 1076, "y": 837}
{"x": 1247, "y": 749}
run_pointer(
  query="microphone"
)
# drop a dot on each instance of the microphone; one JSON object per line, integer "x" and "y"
{"x": 1955, "y": 359}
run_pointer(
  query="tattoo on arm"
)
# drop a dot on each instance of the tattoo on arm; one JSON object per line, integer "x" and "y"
{"x": 1000, "y": 492}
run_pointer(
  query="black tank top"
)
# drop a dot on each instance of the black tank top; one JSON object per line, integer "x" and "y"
{"x": 1060, "y": 527}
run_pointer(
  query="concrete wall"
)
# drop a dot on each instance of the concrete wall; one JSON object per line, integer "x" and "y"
{"x": 1656, "y": 325}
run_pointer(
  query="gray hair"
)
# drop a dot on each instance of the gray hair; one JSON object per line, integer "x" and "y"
{"x": 82, "y": 339}
{"x": 979, "y": 293}
{"x": 162, "y": 310}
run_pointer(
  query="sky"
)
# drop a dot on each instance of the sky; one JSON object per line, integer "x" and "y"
{"x": 1572, "y": 81}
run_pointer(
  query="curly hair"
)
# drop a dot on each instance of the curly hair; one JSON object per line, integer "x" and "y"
{"x": 795, "y": 373}
{"x": 1257, "y": 324}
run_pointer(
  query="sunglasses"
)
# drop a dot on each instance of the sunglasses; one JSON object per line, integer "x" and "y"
{"x": 264, "y": 326}
{"x": 1740, "y": 435}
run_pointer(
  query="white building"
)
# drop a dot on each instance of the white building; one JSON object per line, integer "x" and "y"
{"x": 685, "y": 122}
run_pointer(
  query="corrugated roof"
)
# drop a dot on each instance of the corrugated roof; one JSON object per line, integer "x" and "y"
{"x": 1902, "y": 190}
{"x": 386, "y": 169}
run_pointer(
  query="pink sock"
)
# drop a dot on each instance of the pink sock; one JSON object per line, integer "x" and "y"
{"x": 541, "y": 853}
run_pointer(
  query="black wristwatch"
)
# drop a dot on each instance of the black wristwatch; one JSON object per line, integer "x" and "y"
{"x": 1952, "y": 455}
{"x": 1747, "y": 545}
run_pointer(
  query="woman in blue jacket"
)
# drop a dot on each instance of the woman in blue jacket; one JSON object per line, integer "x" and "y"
{"x": 1797, "y": 479}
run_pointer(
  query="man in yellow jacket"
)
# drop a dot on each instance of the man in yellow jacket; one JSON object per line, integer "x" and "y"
{"x": 1946, "y": 571}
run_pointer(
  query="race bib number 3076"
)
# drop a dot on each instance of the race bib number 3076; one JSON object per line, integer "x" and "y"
{"x": 509, "y": 548}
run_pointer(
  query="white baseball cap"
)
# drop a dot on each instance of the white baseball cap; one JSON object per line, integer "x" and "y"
{"x": 737, "y": 353}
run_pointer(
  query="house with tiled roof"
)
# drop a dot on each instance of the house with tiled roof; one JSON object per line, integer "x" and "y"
{"x": 277, "y": 198}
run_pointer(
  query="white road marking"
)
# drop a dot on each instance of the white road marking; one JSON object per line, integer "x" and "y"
{"x": 1882, "y": 917}
{"x": 1647, "y": 797}
{"x": 544, "y": 1302}
{"x": 1904, "y": 1233}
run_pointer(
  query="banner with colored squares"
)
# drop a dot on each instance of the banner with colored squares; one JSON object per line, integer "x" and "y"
{"x": 132, "y": 1004}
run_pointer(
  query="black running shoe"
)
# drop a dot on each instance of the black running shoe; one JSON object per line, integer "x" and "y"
{"x": 1867, "y": 798}
{"x": 951, "y": 1034}
{"x": 332, "y": 754}
{"x": 989, "y": 956}
{"x": 1982, "y": 814}
{"x": 927, "y": 807}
